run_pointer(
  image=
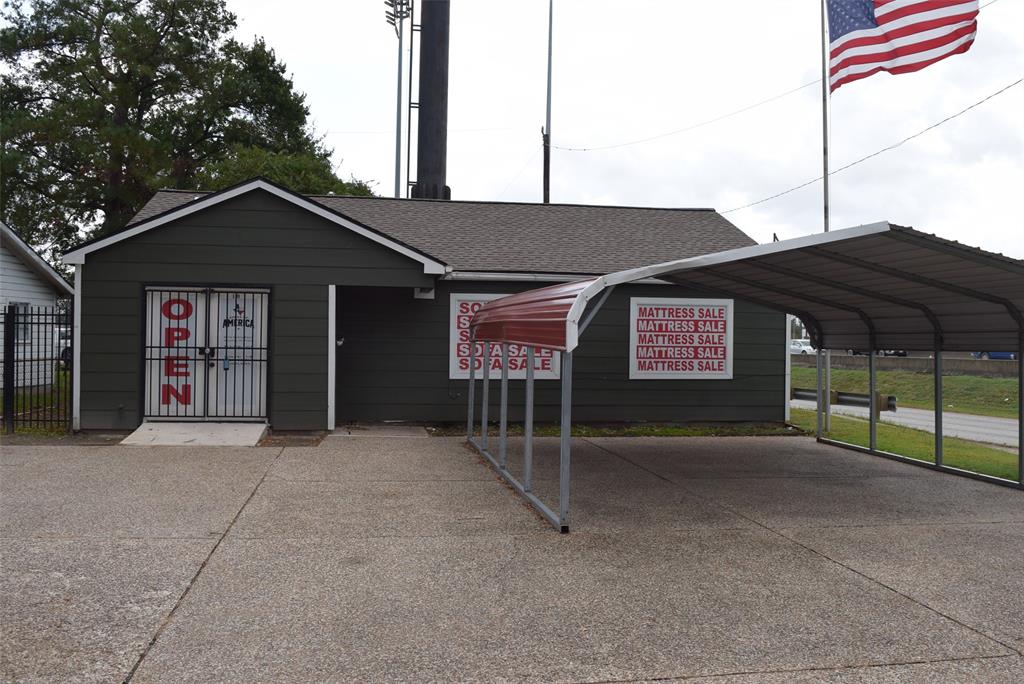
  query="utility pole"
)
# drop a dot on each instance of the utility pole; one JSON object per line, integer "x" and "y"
{"x": 546, "y": 131}
{"x": 396, "y": 16}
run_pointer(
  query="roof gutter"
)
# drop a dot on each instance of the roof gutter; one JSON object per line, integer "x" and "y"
{"x": 522, "y": 277}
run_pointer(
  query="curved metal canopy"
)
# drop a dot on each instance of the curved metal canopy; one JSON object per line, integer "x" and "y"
{"x": 877, "y": 286}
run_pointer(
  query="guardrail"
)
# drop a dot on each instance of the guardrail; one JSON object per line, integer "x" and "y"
{"x": 994, "y": 368}
{"x": 883, "y": 402}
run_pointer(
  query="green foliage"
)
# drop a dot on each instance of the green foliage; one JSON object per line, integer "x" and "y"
{"x": 917, "y": 444}
{"x": 960, "y": 393}
{"x": 105, "y": 101}
{"x": 304, "y": 172}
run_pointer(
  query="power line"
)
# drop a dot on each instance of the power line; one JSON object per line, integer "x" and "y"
{"x": 878, "y": 152}
{"x": 691, "y": 127}
{"x": 685, "y": 129}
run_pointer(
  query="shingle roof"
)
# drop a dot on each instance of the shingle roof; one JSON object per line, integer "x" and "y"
{"x": 530, "y": 238}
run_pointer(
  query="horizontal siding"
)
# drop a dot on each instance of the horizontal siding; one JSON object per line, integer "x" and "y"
{"x": 394, "y": 365}
{"x": 256, "y": 240}
{"x": 19, "y": 283}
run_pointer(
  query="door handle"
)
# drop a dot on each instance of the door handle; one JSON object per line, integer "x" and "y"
{"x": 340, "y": 341}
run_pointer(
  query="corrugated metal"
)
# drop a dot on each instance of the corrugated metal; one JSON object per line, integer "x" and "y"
{"x": 536, "y": 317}
{"x": 879, "y": 286}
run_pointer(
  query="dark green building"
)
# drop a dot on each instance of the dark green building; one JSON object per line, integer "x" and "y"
{"x": 256, "y": 303}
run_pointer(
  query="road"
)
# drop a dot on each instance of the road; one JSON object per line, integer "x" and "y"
{"x": 1002, "y": 431}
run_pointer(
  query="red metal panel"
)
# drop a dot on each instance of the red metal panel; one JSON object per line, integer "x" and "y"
{"x": 534, "y": 318}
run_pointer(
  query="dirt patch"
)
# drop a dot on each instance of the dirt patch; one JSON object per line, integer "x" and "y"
{"x": 45, "y": 438}
{"x": 292, "y": 439}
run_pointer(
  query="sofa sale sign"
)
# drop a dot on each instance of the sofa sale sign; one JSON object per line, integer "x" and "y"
{"x": 463, "y": 305}
{"x": 680, "y": 339}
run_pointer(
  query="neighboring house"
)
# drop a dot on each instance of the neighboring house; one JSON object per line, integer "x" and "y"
{"x": 31, "y": 284}
{"x": 257, "y": 303}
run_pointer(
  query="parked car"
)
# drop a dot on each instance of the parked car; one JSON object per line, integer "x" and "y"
{"x": 1004, "y": 355}
{"x": 800, "y": 347}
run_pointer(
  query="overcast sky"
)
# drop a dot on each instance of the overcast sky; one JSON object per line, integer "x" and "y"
{"x": 625, "y": 71}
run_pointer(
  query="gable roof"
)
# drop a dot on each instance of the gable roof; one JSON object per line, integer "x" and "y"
{"x": 510, "y": 237}
{"x": 200, "y": 201}
{"x": 36, "y": 263}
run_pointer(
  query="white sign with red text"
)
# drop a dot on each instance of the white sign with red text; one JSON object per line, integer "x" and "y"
{"x": 546, "y": 363}
{"x": 680, "y": 339}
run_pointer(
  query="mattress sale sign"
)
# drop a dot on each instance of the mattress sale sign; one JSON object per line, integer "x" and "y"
{"x": 546, "y": 363}
{"x": 680, "y": 339}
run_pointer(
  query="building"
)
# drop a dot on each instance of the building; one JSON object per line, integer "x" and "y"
{"x": 256, "y": 303}
{"x": 32, "y": 286}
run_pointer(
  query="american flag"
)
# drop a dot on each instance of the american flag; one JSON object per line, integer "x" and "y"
{"x": 898, "y": 36}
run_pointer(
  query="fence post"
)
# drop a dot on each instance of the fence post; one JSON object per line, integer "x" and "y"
{"x": 10, "y": 335}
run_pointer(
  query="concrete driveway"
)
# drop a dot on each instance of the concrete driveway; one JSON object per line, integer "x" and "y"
{"x": 374, "y": 558}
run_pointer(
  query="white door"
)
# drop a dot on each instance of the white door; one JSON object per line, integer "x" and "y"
{"x": 206, "y": 354}
{"x": 237, "y": 363}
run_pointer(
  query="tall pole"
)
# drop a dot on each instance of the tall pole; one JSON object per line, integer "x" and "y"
{"x": 546, "y": 134}
{"x": 399, "y": 22}
{"x": 827, "y": 407}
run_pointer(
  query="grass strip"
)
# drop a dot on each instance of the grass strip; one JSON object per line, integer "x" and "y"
{"x": 976, "y": 395}
{"x": 919, "y": 444}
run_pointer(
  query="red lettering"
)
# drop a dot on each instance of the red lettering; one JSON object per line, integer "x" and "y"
{"x": 182, "y": 395}
{"x": 176, "y": 366}
{"x": 184, "y": 309}
{"x": 173, "y": 335}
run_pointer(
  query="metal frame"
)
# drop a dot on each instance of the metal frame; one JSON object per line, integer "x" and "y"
{"x": 560, "y": 519}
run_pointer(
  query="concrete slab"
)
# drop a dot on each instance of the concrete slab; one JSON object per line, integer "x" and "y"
{"x": 997, "y": 670}
{"x": 331, "y": 510}
{"x": 196, "y": 434}
{"x": 979, "y": 579}
{"x": 829, "y": 502}
{"x": 749, "y": 457}
{"x": 84, "y": 610}
{"x": 539, "y": 607}
{"x": 381, "y": 459}
{"x": 118, "y": 492}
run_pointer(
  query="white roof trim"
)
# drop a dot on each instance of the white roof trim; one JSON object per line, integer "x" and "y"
{"x": 31, "y": 258}
{"x": 517, "y": 277}
{"x": 430, "y": 266}
{"x": 572, "y": 320}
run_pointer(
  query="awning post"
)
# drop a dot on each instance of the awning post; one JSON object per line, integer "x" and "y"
{"x": 528, "y": 424}
{"x": 566, "y": 443}
{"x": 486, "y": 376}
{"x": 872, "y": 400}
{"x": 470, "y": 428}
{"x": 938, "y": 400}
{"x": 503, "y": 425}
{"x": 819, "y": 403}
{"x": 1020, "y": 407}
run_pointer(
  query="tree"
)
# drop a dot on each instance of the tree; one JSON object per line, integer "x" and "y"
{"x": 105, "y": 101}
{"x": 301, "y": 171}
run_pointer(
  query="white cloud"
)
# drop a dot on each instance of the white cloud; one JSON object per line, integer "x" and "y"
{"x": 625, "y": 71}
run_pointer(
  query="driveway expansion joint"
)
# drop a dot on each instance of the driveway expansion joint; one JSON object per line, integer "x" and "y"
{"x": 820, "y": 554}
{"x": 202, "y": 566}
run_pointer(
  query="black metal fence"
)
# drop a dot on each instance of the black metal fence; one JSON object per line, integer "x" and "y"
{"x": 37, "y": 357}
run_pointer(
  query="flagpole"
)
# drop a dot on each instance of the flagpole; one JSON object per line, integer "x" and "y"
{"x": 827, "y": 394}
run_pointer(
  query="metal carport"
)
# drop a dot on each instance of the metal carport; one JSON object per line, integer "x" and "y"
{"x": 872, "y": 287}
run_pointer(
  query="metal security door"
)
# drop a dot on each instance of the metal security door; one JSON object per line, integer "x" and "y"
{"x": 206, "y": 353}
{"x": 237, "y": 364}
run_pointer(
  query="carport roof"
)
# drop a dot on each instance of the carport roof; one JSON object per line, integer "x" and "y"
{"x": 877, "y": 286}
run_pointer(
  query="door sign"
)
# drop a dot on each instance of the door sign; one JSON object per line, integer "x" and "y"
{"x": 206, "y": 353}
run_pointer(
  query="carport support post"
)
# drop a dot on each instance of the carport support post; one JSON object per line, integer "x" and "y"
{"x": 938, "y": 400}
{"x": 872, "y": 400}
{"x": 486, "y": 390}
{"x": 470, "y": 428}
{"x": 566, "y": 443}
{"x": 503, "y": 430}
{"x": 818, "y": 403}
{"x": 528, "y": 425}
{"x": 1020, "y": 407}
